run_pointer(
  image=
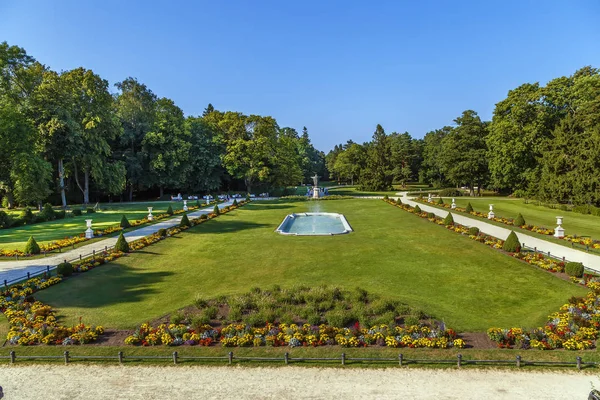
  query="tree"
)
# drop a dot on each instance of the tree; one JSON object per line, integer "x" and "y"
{"x": 204, "y": 170}
{"x": 167, "y": 147}
{"x": 136, "y": 109}
{"x": 351, "y": 162}
{"x": 464, "y": 152}
{"x": 379, "y": 172}
{"x": 31, "y": 176}
{"x": 433, "y": 162}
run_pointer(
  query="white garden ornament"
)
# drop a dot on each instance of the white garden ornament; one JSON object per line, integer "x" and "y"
{"x": 89, "y": 233}
{"x": 185, "y": 207}
{"x": 150, "y": 216}
{"x": 559, "y": 231}
{"x": 453, "y": 206}
{"x": 491, "y": 214}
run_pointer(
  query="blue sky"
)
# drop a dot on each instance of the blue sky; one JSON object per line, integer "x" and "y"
{"x": 337, "y": 67}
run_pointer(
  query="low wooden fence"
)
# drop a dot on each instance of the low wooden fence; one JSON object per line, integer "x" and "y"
{"x": 343, "y": 359}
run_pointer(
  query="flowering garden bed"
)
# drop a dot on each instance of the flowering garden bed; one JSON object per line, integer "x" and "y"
{"x": 32, "y": 322}
{"x": 576, "y": 326}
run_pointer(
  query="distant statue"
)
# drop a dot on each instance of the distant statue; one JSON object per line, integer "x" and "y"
{"x": 315, "y": 180}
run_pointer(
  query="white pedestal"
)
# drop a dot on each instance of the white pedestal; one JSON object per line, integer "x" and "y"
{"x": 491, "y": 214}
{"x": 559, "y": 231}
{"x": 315, "y": 192}
{"x": 89, "y": 233}
{"x": 453, "y": 205}
{"x": 150, "y": 216}
{"x": 185, "y": 207}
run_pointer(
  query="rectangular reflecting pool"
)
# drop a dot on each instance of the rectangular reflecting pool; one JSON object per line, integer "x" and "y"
{"x": 314, "y": 224}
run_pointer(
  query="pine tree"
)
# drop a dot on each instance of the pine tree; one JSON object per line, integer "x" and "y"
{"x": 520, "y": 221}
{"x": 469, "y": 208}
{"x": 417, "y": 209}
{"x": 216, "y": 210}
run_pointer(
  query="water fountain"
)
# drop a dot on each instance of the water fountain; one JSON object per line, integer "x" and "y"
{"x": 315, "y": 188}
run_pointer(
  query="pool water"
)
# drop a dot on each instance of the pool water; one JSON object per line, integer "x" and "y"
{"x": 314, "y": 224}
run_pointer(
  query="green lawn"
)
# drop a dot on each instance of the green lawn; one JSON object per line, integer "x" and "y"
{"x": 574, "y": 223}
{"x": 16, "y": 238}
{"x": 391, "y": 252}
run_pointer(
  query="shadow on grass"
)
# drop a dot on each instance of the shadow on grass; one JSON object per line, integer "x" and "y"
{"x": 270, "y": 206}
{"x": 222, "y": 225}
{"x": 112, "y": 284}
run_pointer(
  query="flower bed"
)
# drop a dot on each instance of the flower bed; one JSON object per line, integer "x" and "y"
{"x": 32, "y": 322}
{"x": 274, "y": 335}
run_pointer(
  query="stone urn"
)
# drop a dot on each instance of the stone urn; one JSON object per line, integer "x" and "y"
{"x": 453, "y": 206}
{"x": 150, "y": 216}
{"x": 185, "y": 207}
{"x": 491, "y": 214}
{"x": 89, "y": 233}
{"x": 559, "y": 231}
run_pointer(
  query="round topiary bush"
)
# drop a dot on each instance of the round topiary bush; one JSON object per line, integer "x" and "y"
{"x": 27, "y": 215}
{"x": 511, "y": 244}
{"x": 185, "y": 221}
{"x": 386, "y": 197}
{"x": 417, "y": 209}
{"x": 430, "y": 215}
{"x": 519, "y": 221}
{"x": 170, "y": 210}
{"x": 32, "y": 247}
{"x": 449, "y": 220}
{"x": 125, "y": 222}
{"x": 162, "y": 232}
{"x": 203, "y": 217}
{"x": 122, "y": 244}
{"x": 216, "y": 210}
{"x": 474, "y": 231}
{"x": 398, "y": 201}
{"x": 469, "y": 208}
{"x": 4, "y": 220}
{"x": 574, "y": 269}
{"x": 64, "y": 269}
{"x": 48, "y": 212}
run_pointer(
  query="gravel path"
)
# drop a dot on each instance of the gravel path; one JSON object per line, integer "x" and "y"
{"x": 17, "y": 269}
{"x": 129, "y": 382}
{"x": 591, "y": 261}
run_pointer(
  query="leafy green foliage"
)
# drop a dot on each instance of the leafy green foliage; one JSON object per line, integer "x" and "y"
{"x": 170, "y": 210}
{"x": 125, "y": 222}
{"x": 216, "y": 210}
{"x": 32, "y": 247}
{"x": 450, "y": 192}
{"x": 511, "y": 244}
{"x": 48, "y": 212}
{"x": 122, "y": 244}
{"x": 64, "y": 269}
{"x": 76, "y": 212}
{"x": 469, "y": 208}
{"x": 5, "y": 220}
{"x": 27, "y": 215}
{"x": 574, "y": 269}
{"x": 449, "y": 220}
{"x": 440, "y": 201}
{"x": 474, "y": 231}
{"x": 185, "y": 221}
{"x": 162, "y": 232}
{"x": 519, "y": 221}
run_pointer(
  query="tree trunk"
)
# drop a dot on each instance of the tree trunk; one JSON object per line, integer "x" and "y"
{"x": 61, "y": 182}
{"x": 248, "y": 185}
{"x": 76, "y": 174}
{"x": 471, "y": 190}
{"x": 130, "y": 191}
{"x": 11, "y": 199}
{"x": 86, "y": 187}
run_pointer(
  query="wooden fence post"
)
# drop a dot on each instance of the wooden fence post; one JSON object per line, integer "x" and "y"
{"x": 518, "y": 361}
{"x": 400, "y": 356}
{"x": 175, "y": 357}
{"x": 459, "y": 362}
{"x": 343, "y": 358}
{"x": 66, "y": 357}
{"x": 230, "y": 355}
{"x": 579, "y": 363}
{"x": 286, "y": 358}
{"x": 12, "y": 356}
{"x": 120, "y": 355}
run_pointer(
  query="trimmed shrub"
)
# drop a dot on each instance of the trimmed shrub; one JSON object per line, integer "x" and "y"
{"x": 216, "y": 210}
{"x": 90, "y": 211}
{"x": 247, "y": 196}
{"x": 64, "y": 269}
{"x": 574, "y": 269}
{"x": 27, "y": 215}
{"x": 469, "y": 208}
{"x": 162, "y": 232}
{"x": 386, "y": 197}
{"x": 519, "y": 221}
{"x": 235, "y": 203}
{"x": 76, "y": 212}
{"x": 449, "y": 220}
{"x": 122, "y": 244}
{"x": 417, "y": 209}
{"x": 440, "y": 201}
{"x": 198, "y": 203}
{"x": 398, "y": 201}
{"x": 203, "y": 217}
{"x": 170, "y": 210}
{"x": 185, "y": 221}
{"x": 450, "y": 192}
{"x": 17, "y": 222}
{"x": 125, "y": 222}
{"x": 60, "y": 214}
{"x": 32, "y": 247}
{"x": 4, "y": 220}
{"x": 582, "y": 209}
{"x": 474, "y": 231}
{"x": 430, "y": 215}
{"x": 511, "y": 244}
{"x": 48, "y": 212}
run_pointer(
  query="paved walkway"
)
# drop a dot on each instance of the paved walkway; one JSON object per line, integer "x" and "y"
{"x": 10, "y": 270}
{"x": 591, "y": 261}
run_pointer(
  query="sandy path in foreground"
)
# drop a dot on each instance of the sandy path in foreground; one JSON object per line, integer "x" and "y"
{"x": 128, "y": 382}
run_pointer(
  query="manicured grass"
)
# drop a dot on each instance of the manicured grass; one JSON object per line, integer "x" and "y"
{"x": 16, "y": 238}
{"x": 355, "y": 191}
{"x": 391, "y": 253}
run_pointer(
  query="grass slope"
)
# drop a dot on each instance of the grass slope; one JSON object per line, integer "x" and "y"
{"x": 391, "y": 253}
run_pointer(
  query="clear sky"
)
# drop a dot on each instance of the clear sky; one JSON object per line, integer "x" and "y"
{"x": 337, "y": 67}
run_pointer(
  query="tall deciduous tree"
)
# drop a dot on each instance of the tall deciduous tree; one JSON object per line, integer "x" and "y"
{"x": 379, "y": 173}
{"x": 204, "y": 166}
